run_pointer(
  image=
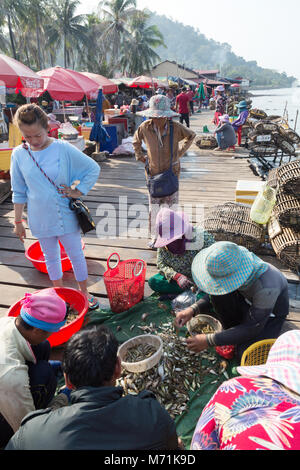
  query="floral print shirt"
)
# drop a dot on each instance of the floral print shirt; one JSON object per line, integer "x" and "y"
{"x": 250, "y": 414}
{"x": 169, "y": 264}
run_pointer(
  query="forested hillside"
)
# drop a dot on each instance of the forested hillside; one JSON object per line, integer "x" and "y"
{"x": 187, "y": 46}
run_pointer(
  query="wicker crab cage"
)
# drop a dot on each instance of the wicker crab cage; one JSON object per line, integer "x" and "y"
{"x": 287, "y": 210}
{"x": 288, "y": 177}
{"x": 231, "y": 222}
{"x": 286, "y": 244}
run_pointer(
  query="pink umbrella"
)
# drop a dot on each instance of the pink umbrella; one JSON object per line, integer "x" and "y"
{"x": 235, "y": 85}
{"x": 65, "y": 84}
{"x": 142, "y": 82}
{"x": 16, "y": 75}
{"x": 108, "y": 87}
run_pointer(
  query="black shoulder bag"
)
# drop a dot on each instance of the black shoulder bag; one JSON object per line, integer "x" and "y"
{"x": 166, "y": 183}
{"x": 82, "y": 212}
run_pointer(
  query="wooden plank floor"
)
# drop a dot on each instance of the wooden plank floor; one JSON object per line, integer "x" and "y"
{"x": 207, "y": 179}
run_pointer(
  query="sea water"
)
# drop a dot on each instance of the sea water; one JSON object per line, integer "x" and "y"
{"x": 275, "y": 101}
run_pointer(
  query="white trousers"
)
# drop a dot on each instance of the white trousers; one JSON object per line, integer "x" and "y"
{"x": 72, "y": 245}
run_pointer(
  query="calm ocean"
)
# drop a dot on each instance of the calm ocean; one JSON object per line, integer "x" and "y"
{"x": 273, "y": 102}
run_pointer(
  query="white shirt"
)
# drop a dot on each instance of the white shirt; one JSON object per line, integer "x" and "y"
{"x": 15, "y": 395}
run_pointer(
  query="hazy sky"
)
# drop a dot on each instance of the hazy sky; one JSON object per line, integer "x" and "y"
{"x": 263, "y": 30}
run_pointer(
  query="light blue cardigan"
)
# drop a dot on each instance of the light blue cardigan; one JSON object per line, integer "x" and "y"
{"x": 48, "y": 212}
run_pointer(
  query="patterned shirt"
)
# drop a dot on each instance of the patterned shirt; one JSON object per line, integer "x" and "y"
{"x": 170, "y": 264}
{"x": 221, "y": 104}
{"x": 250, "y": 414}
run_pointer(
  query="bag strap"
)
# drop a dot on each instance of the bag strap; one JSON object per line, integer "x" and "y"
{"x": 25, "y": 146}
{"x": 171, "y": 142}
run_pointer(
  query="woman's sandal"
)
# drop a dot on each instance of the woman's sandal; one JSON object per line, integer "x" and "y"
{"x": 93, "y": 303}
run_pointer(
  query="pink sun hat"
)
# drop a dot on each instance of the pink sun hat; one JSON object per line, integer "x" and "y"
{"x": 44, "y": 309}
{"x": 283, "y": 364}
{"x": 171, "y": 226}
{"x": 224, "y": 118}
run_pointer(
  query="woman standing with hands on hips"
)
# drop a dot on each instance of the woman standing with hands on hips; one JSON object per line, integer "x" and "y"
{"x": 50, "y": 218}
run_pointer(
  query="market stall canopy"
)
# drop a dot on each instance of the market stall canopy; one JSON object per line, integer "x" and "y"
{"x": 16, "y": 75}
{"x": 121, "y": 81}
{"x": 161, "y": 83}
{"x": 108, "y": 87}
{"x": 142, "y": 82}
{"x": 68, "y": 85}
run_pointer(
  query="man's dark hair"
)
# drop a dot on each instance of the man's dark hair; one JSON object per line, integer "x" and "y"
{"x": 90, "y": 357}
{"x": 183, "y": 88}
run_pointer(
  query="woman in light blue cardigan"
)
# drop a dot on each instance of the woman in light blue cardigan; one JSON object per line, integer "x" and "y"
{"x": 49, "y": 217}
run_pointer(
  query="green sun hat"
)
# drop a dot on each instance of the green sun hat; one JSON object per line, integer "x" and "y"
{"x": 242, "y": 105}
{"x": 222, "y": 268}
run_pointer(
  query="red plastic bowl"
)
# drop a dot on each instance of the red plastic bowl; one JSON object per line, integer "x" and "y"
{"x": 36, "y": 256}
{"x": 77, "y": 300}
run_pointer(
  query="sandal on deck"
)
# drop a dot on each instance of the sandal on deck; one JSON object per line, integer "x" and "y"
{"x": 93, "y": 303}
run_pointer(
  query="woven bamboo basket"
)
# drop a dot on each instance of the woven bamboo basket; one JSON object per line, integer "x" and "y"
{"x": 231, "y": 222}
{"x": 287, "y": 210}
{"x": 286, "y": 244}
{"x": 289, "y": 178}
{"x": 273, "y": 178}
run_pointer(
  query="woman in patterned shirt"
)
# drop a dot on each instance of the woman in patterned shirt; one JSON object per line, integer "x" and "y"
{"x": 259, "y": 410}
{"x": 178, "y": 243}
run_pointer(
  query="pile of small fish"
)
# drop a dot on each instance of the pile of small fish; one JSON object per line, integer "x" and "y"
{"x": 72, "y": 315}
{"x": 202, "y": 328}
{"x": 179, "y": 373}
{"x": 139, "y": 353}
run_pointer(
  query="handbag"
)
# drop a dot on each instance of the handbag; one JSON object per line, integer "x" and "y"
{"x": 166, "y": 183}
{"x": 81, "y": 210}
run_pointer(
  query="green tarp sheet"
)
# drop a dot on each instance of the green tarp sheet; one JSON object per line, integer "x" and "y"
{"x": 125, "y": 326}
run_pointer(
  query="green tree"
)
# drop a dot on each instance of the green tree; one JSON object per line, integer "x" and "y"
{"x": 10, "y": 12}
{"x": 68, "y": 30}
{"x": 94, "y": 56}
{"x": 116, "y": 14}
{"x": 138, "y": 54}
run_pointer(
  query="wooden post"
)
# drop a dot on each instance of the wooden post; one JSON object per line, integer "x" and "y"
{"x": 296, "y": 120}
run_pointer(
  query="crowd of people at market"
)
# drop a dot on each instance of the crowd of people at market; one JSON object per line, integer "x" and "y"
{"x": 257, "y": 410}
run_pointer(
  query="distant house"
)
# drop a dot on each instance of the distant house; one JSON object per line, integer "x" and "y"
{"x": 209, "y": 74}
{"x": 170, "y": 68}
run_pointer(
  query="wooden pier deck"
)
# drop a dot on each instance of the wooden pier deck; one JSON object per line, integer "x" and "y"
{"x": 207, "y": 178}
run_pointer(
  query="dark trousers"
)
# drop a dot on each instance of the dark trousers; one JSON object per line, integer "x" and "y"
{"x": 185, "y": 117}
{"x": 42, "y": 386}
{"x": 232, "y": 310}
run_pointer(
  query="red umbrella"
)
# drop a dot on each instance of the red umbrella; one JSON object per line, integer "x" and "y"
{"x": 142, "y": 82}
{"x": 67, "y": 85}
{"x": 235, "y": 85}
{"x": 19, "y": 76}
{"x": 108, "y": 87}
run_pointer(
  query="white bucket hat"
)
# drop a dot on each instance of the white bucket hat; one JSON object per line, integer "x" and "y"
{"x": 159, "y": 106}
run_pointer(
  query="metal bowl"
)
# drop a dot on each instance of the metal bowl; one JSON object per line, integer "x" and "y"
{"x": 146, "y": 364}
{"x": 213, "y": 322}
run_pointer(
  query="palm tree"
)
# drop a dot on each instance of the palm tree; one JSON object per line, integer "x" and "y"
{"x": 11, "y": 11}
{"x": 67, "y": 30}
{"x": 4, "y": 43}
{"x": 115, "y": 14}
{"x": 37, "y": 12}
{"x": 138, "y": 55}
{"x": 93, "y": 57}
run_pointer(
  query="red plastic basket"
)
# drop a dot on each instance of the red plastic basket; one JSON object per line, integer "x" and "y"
{"x": 125, "y": 283}
{"x": 77, "y": 300}
{"x": 36, "y": 256}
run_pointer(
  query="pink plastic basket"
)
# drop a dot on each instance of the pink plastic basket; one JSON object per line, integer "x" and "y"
{"x": 125, "y": 283}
